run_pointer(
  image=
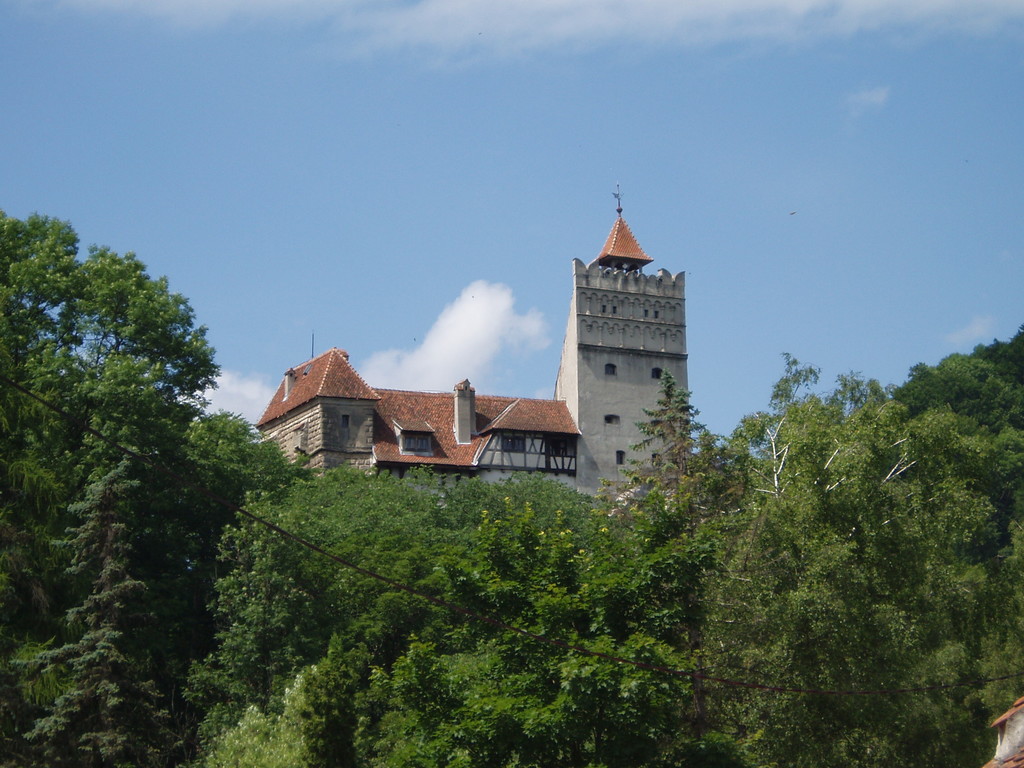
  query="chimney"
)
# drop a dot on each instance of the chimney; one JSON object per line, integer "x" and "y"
{"x": 465, "y": 412}
{"x": 1011, "y": 732}
{"x": 289, "y": 382}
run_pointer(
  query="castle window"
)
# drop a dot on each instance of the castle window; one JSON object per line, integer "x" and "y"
{"x": 647, "y": 312}
{"x": 344, "y": 421}
{"x": 615, "y": 310}
{"x": 655, "y": 314}
{"x": 604, "y": 307}
{"x": 301, "y": 439}
{"x": 558, "y": 446}
{"x": 620, "y": 457}
{"x": 415, "y": 443}
{"x": 513, "y": 443}
{"x": 609, "y": 369}
{"x": 611, "y": 418}
{"x": 655, "y": 373}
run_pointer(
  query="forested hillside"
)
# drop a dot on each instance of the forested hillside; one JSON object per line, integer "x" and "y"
{"x": 835, "y": 583}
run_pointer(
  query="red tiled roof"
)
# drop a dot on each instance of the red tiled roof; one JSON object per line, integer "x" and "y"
{"x": 1016, "y": 760}
{"x": 1017, "y": 706}
{"x": 327, "y": 375}
{"x": 535, "y": 416}
{"x": 621, "y": 246}
{"x": 438, "y": 409}
{"x": 1013, "y": 761}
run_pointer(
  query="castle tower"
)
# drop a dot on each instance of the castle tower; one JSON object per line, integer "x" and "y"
{"x": 625, "y": 328}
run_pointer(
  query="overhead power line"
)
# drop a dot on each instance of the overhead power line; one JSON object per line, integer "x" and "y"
{"x": 469, "y": 613}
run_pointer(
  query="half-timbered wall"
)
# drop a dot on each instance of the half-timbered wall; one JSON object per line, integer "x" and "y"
{"x": 528, "y": 451}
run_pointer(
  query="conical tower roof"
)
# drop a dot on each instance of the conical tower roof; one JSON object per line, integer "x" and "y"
{"x": 621, "y": 250}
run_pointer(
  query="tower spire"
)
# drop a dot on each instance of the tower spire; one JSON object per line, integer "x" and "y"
{"x": 617, "y": 194}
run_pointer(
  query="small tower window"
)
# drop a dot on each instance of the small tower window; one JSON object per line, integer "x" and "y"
{"x": 655, "y": 373}
{"x": 620, "y": 457}
{"x": 609, "y": 369}
{"x": 611, "y": 418}
{"x": 656, "y": 314}
{"x": 647, "y": 312}
{"x": 604, "y": 307}
{"x": 615, "y": 309}
{"x": 344, "y": 421}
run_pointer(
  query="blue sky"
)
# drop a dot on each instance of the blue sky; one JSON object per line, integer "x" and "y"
{"x": 409, "y": 180}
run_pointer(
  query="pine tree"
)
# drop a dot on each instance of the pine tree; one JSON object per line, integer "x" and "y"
{"x": 107, "y": 715}
{"x": 686, "y": 490}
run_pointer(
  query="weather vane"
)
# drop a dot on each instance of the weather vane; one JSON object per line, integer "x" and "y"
{"x": 617, "y": 194}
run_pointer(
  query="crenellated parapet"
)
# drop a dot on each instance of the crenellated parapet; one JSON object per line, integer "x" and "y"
{"x": 597, "y": 277}
{"x": 628, "y": 309}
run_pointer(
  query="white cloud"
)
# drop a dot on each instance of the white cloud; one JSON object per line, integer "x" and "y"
{"x": 464, "y": 341}
{"x": 514, "y": 25}
{"x": 240, "y": 393}
{"x": 870, "y": 98}
{"x": 979, "y": 329}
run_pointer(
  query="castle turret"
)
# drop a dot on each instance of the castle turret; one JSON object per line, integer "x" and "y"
{"x": 625, "y": 328}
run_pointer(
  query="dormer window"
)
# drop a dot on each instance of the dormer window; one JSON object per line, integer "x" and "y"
{"x": 415, "y": 437}
{"x": 415, "y": 442}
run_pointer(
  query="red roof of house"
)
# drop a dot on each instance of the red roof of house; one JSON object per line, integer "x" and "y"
{"x": 1016, "y": 760}
{"x": 327, "y": 375}
{"x": 1013, "y": 761}
{"x": 621, "y": 246}
{"x": 525, "y": 415}
{"x": 398, "y": 407}
{"x": 1018, "y": 705}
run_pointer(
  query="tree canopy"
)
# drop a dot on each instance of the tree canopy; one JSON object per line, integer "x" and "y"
{"x": 819, "y": 587}
{"x": 113, "y": 352}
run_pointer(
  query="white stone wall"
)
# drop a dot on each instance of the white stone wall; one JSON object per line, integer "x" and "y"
{"x": 1011, "y": 736}
{"x": 636, "y": 323}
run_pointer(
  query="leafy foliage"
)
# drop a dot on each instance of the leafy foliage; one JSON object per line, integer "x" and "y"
{"x": 857, "y": 571}
{"x": 120, "y": 354}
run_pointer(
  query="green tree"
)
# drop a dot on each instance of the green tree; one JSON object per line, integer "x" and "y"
{"x": 688, "y": 491}
{"x": 985, "y": 389}
{"x": 109, "y": 714}
{"x": 279, "y": 604}
{"x": 857, "y": 570}
{"x": 627, "y": 581}
{"x": 121, "y": 356}
{"x": 28, "y": 566}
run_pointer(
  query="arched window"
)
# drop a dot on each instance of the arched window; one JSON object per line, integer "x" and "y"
{"x": 609, "y": 369}
{"x": 620, "y": 457}
{"x": 611, "y": 418}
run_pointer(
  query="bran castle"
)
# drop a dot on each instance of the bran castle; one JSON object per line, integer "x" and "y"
{"x": 625, "y": 329}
